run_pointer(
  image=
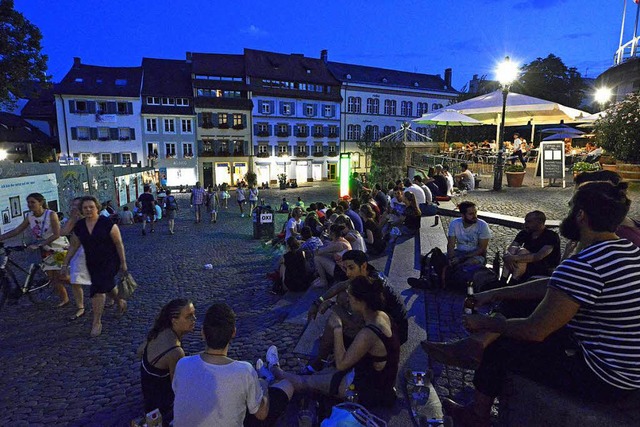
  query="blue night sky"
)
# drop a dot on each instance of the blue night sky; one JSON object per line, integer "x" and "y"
{"x": 469, "y": 36}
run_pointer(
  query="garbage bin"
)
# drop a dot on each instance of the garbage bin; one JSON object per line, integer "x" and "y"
{"x": 263, "y": 222}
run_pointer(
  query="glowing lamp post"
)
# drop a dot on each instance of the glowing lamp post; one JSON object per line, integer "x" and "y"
{"x": 345, "y": 173}
{"x": 91, "y": 161}
{"x": 602, "y": 96}
{"x": 506, "y": 73}
{"x": 3, "y": 155}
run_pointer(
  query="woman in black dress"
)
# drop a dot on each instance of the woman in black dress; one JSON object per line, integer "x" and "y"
{"x": 104, "y": 250}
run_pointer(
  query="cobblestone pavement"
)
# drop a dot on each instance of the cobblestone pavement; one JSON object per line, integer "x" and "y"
{"x": 54, "y": 374}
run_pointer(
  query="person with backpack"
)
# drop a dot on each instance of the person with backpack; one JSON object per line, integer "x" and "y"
{"x": 171, "y": 207}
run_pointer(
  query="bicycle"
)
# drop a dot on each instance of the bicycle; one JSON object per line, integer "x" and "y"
{"x": 35, "y": 286}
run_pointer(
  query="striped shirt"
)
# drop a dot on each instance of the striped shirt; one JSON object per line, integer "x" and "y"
{"x": 604, "y": 279}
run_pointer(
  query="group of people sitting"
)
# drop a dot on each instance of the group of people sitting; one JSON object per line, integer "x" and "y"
{"x": 567, "y": 324}
{"x": 366, "y": 327}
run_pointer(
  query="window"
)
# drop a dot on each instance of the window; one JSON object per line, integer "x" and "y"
{"x": 435, "y": 106}
{"x": 354, "y": 104}
{"x": 332, "y": 148}
{"x": 266, "y": 108}
{"x": 186, "y": 126}
{"x": 302, "y": 149}
{"x": 182, "y": 102}
{"x": 287, "y": 108}
{"x": 353, "y": 132}
{"x": 263, "y": 129}
{"x": 327, "y": 111}
{"x": 422, "y": 108}
{"x": 302, "y": 131}
{"x": 84, "y": 158}
{"x": 390, "y": 107}
{"x": 283, "y": 130}
{"x": 373, "y": 106}
{"x": 168, "y": 101}
{"x": 317, "y": 148}
{"x": 262, "y": 149}
{"x": 101, "y": 107}
{"x": 103, "y": 134}
{"x": 126, "y": 158}
{"x": 237, "y": 121}
{"x": 318, "y": 130}
{"x": 388, "y": 130}
{"x": 333, "y": 131}
{"x": 207, "y": 120}
{"x": 124, "y": 134}
{"x": 406, "y": 108}
{"x": 187, "y": 150}
{"x": 311, "y": 87}
{"x": 283, "y": 149}
{"x": 153, "y": 100}
{"x": 82, "y": 107}
{"x": 223, "y": 121}
{"x": 84, "y": 134}
{"x": 309, "y": 110}
{"x": 302, "y": 86}
{"x": 152, "y": 125}
{"x": 105, "y": 158}
{"x": 170, "y": 149}
{"x": 169, "y": 126}
{"x": 122, "y": 108}
{"x": 319, "y": 88}
{"x": 375, "y": 132}
{"x": 121, "y": 82}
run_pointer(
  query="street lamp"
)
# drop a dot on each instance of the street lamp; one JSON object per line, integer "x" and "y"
{"x": 602, "y": 96}
{"x": 91, "y": 161}
{"x": 3, "y": 155}
{"x": 506, "y": 73}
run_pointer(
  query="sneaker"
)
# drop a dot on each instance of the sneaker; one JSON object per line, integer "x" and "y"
{"x": 171, "y": 231}
{"x": 263, "y": 372}
{"x": 272, "y": 357}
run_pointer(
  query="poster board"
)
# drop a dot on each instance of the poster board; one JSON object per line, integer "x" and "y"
{"x": 13, "y": 197}
{"x": 551, "y": 162}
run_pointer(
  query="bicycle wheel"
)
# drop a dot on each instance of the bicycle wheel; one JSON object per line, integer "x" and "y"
{"x": 8, "y": 287}
{"x": 39, "y": 288}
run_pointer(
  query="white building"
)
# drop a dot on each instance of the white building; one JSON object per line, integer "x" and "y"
{"x": 98, "y": 113}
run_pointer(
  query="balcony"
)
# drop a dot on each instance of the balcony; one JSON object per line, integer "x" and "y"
{"x": 318, "y": 154}
{"x": 333, "y": 154}
{"x": 302, "y": 154}
{"x": 263, "y": 155}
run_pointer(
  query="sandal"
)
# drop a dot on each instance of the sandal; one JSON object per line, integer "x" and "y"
{"x": 78, "y": 314}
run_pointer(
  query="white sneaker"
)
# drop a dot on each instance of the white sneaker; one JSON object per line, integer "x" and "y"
{"x": 263, "y": 372}
{"x": 272, "y": 357}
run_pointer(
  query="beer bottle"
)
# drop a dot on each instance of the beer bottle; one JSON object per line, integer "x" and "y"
{"x": 469, "y": 301}
{"x": 496, "y": 264}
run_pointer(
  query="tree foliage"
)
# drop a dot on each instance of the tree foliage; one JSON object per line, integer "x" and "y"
{"x": 21, "y": 59}
{"x": 549, "y": 78}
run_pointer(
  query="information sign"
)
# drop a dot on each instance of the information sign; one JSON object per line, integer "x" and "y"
{"x": 551, "y": 161}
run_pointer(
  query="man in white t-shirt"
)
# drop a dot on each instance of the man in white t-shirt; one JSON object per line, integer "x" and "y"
{"x": 416, "y": 190}
{"x": 294, "y": 224}
{"x": 467, "y": 242}
{"x": 465, "y": 179}
{"x": 517, "y": 150}
{"x": 212, "y": 389}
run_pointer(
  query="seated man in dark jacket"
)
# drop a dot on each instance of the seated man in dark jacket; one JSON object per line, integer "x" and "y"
{"x": 355, "y": 264}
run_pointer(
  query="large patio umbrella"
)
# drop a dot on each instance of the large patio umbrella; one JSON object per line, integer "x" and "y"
{"x": 447, "y": 117}
{"x": 521, "y": 110}
{"x": 562, "y": 129}
{"x": 563, "y": 135}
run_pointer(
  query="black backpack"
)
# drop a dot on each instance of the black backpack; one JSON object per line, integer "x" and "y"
{"x": 433, "y": 265}
{"x": 171, "y": 202}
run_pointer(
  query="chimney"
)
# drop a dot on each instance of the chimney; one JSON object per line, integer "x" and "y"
{"x": 76, "y": 61}
{"x": 324, "y": 55}
{"x": 189, "y": 57}
{"x": 447, "y": 77}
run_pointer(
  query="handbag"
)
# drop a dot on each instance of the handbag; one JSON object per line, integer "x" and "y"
{"x": 126, "y": 286}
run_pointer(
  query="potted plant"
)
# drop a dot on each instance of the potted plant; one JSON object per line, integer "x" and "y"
{"x": 282, "y": 180}
{"x": 515, "y": 175}
{"x": 618, "y": 132}
{"x": 580, "y": 167}
{"x": 251, "y": 178}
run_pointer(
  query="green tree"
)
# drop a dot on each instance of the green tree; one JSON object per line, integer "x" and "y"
{"x": 20, "y": 56}
{"x": 366, "y": 144}
{"x": 549, "y": 78}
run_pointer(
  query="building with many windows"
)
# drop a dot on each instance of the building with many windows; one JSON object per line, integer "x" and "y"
{"x": 98, "y": 113}
{"x": 296, "y": 116}
{"x": 376, "y": 101}
{"x": 223, "y": 111}
{"x": 168, "y": 121}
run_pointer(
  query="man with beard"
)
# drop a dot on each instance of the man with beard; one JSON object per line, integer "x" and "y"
{"x": 580, "y": 339}
{"x": 467, "y": 242}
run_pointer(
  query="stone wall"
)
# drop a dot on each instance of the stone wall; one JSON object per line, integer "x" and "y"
{"x": 72, "y": 180}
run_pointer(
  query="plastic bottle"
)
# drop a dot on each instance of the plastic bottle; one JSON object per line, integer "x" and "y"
{"x": 352, "y": 394}
{"x": 469, "y": 301}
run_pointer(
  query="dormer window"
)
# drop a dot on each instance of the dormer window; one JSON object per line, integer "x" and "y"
{"x": 99, "y": 81}
{"x": 79, "y": 80}
{"x": 308, "y": 71}
{"x": 416, "y": 84}
{"x": 348, "y": 76}
{"x": 384, "y": 80}
{"x": 121, "y": 82}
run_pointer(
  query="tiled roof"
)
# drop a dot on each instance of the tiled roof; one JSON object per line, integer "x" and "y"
{"x": 385, "y": 77}
{"x": 166, "y": 77}
{"x": 224, "y": 103}
{"x": 218, "y": 64}
{"x": 15, "y": 129}
{"x": 294, "y": 67}
{"x": 40, "y": 105}
{"x": 92, "y": 80}
{"x": 166, "y": 110}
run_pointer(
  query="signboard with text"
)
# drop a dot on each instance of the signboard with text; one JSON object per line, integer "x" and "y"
{"x": 14, "y": 192}
{"x": 551, "y": 162}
